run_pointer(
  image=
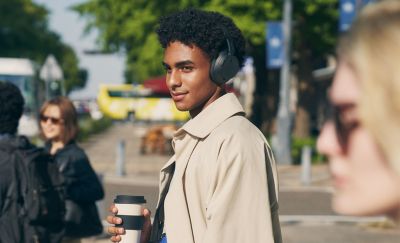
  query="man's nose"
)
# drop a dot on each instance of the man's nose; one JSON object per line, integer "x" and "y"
{"x": 174, "y": 79}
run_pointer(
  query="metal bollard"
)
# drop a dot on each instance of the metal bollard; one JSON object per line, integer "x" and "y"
{"x": 120, "y": 160}
{"x": 306, "y": 165}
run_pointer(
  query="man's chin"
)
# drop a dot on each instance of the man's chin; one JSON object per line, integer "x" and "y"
{"x": 180, "y": 107}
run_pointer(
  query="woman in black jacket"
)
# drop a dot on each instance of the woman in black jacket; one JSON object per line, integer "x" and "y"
{"x": 59, "y": 126}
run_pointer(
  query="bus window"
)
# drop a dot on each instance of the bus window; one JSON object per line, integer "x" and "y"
{"x": 21, "y": 72}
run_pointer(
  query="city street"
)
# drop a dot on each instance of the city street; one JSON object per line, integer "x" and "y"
{"x": 305, "y": 212}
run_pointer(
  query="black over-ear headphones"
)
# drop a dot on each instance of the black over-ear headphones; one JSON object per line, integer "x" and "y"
{"x": 225, "y": 66}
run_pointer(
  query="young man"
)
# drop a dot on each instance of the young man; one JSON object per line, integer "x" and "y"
{"x": 16, "y": 213}
{"x": 221, "y": 184}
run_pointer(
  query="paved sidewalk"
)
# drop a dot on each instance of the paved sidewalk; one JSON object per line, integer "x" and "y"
{"x": 102, "y": 150}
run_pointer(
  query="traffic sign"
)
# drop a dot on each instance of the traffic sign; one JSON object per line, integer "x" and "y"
{"x": 51, "y": 70}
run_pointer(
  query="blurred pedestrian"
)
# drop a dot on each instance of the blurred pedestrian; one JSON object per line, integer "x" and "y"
{"x": 31, "y": 199}
{"x": 59, "y": 127}
{"x": 221, "y": 184}
{"x": 363, "y": 137}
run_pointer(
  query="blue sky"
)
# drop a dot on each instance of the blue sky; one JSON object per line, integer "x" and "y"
{"x": 68, "y": 24}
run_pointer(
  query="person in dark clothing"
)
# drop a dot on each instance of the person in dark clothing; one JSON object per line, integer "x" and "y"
{"x": 15, "y": 225}
{"x": 59, "y": 127}
{"x": 11, "y": 108}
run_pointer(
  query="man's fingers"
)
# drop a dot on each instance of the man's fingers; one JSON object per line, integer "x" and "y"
{"x": 115, "y": 238}
{"x": 146, "y": 213}
{"x": 113, "y": 220}
{"x": 113, "y": 209}
{"x": 115, "y": 230}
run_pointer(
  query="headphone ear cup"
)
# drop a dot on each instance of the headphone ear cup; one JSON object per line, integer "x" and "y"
{"x": 223, "y": 68}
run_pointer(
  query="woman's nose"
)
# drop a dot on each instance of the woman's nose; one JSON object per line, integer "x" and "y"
{"x": 327, "y": 142}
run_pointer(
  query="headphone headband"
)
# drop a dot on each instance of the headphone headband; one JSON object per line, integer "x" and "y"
{"x": 231, "y": 47}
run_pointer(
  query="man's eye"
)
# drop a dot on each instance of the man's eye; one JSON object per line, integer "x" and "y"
{"x": 167, "y": 69}
{"x": 187, "y": 69}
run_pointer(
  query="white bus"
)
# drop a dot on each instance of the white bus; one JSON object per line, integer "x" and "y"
{"x": 22, "y": 73}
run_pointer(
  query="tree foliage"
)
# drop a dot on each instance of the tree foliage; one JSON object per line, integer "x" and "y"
{"x": 24, "y": 33}
{"x": 128, "y": 26}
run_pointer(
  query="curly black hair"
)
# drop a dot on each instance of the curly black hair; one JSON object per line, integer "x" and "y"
{"x": 11, "y": 108}
{"x": 206, "y": 30}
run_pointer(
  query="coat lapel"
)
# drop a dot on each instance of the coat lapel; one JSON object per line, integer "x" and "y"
{"x": 178, "y": 224}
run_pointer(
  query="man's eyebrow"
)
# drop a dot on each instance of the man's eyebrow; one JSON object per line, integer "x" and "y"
{"x": 183, "y": 63}
{"x": 165, "y": 65}
{"x": 179, "y": 64}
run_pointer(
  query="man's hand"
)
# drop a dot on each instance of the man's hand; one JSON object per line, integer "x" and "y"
{"x": 112, "y": 230}
{"x": 116, "y": 232}
{"x": 146, "y": 230}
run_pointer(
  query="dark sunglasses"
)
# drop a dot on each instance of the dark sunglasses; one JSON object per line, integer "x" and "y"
{"x": 343, "y": 129}
{"x": 53, "y": 120}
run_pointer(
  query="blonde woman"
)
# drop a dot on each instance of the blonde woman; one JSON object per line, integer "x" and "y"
{"x": 59, "y": 126}
{"x": 362, "y": 141}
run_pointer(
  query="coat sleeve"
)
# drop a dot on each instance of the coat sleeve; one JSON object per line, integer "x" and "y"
{"x": 239, "y": 209}
{"x": 82, "y": 183}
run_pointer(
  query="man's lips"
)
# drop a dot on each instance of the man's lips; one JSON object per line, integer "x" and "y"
{"x": 178, "y": 96}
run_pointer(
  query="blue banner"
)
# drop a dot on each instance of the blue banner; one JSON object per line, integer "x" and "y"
{"x": 348, "y": 10}
{"x": 275, "y": 47}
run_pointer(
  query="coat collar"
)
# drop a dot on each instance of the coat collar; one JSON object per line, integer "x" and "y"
{"x": 212, "y": 116}
{"x": 67, "y": 147}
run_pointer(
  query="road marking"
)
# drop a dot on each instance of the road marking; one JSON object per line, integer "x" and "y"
{"x": 326, "y": 189}
{"x": 329, "y": 219}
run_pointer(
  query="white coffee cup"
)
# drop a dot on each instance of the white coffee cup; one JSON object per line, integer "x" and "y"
{"x": 130, "y": 209}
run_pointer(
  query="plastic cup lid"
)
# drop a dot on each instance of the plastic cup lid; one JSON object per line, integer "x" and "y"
{"x": 127, "y": 199}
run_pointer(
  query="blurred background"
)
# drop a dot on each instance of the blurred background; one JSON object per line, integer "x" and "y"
{"x": 104, "y": 55}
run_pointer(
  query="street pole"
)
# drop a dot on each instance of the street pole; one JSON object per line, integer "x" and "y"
{"x": 48, "y": 82}
{"x": 283, "y": 144}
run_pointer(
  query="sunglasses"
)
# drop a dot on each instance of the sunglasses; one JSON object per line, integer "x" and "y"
{"x": 52, "y": 120}
{"x": 343, "y": 128}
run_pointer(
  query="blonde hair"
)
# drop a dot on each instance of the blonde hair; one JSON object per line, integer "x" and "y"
{"x": 68, "y": 114}
{"x": 372, "y": 48}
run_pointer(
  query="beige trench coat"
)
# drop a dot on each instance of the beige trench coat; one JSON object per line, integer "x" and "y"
{"x": 218, "y": 192}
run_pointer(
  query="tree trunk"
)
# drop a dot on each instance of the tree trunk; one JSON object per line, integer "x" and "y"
{"x": 266, "y": 94}
{"x": 307, "y": 95}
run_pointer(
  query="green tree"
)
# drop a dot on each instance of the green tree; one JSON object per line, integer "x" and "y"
{"x": 128, "y": 26}
{"x": 315, "y": 33}
{"x": 24, "y": 33}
